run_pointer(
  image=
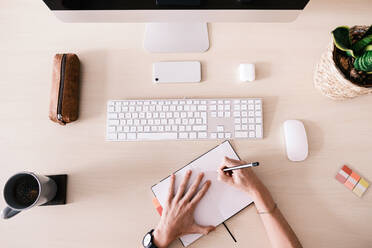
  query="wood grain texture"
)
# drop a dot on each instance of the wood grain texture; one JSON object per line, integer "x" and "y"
{"x": 109, "y": 197}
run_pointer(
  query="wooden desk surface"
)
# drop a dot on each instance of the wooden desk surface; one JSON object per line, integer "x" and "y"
{"x": 109, "y": 198}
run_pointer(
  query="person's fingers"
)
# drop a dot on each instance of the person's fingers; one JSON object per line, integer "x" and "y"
{"x": 194, "y": 187}
{"x": 171, "y": 188}
{"x": 223, "y": 176}
{"x": 200, "y": 194}
{"x": 183, "y": 185}
{"x": 229, "y": 162}
{"x": 202, "y": 229}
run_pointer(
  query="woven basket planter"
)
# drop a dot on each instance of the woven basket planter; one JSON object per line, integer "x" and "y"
{"x": 332, "y": 83}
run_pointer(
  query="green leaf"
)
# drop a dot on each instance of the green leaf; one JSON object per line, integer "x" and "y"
{"x": 360, "y": 45}
{"x": 342, "y": 40}
{"x": 364, "y": 62}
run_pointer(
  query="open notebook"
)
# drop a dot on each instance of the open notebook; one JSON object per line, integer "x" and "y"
{"x": 220, "y": 202}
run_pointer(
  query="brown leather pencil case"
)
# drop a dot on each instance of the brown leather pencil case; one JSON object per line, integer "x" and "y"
{"x": 64, "y": 97}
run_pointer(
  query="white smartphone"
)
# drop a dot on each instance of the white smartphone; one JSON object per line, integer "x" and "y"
{"x": 177, "y": 72}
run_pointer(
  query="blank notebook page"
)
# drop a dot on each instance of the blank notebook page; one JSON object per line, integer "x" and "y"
{"x": 220, "y": 202}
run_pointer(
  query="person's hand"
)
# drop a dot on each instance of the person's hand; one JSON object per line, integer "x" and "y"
{"x": 243, "y": 179}
{"x": 178, "y": 215}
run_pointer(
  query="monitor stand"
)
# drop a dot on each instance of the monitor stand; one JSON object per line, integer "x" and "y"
{"x": 176, "y": 37}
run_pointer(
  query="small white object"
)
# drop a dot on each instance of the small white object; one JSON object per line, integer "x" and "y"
{"x": 295, "y": 140}
{"x": 177, "y": 72}
{"x": 247, "y": 72}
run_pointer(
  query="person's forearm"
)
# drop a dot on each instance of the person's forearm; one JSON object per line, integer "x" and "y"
{"x": 277, "y": 228}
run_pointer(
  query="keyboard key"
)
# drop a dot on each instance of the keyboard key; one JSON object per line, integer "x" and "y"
{"x": 244, "y": 127}
{"x": 202, "y": 108}
{"x": 122, "y": 136}
{"x": 258, "y": 113}
{"x": 251, "y": 134}
{"x": 220, "y": 114}
{"x": 220, "y": 135}
{"x": 241, "y": 134}
{"x": 213, "y": 114}
{"x": 213, "y": 136}
{"x": 227, "y": 114}
{"x": 113, "y": 116}
{"x": 236, "y": 114}
{"x": 202, "y": 135}
{"x": 112, "y": 136}
{"x": 113, "y": 122}
{"x": 220, "y": 129}
{"x": 117, "y": 109}
{"x": 237, "y": 127}
{"x": 183, "y": 135}
{"x": 111, "y": 129}
{"x": 227, "y": 135}
{"x": 258, "y": 120}
{"x": 251, "y": 127}
{"x": 199, "y": 128}
{"x": 258, "y": 131}
{"x": 156, "y": 136}
{"x": 131, "y": 136}
{"x": 192, "y": 135}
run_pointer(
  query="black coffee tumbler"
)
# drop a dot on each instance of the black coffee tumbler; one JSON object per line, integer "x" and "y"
{"x": 26, "y": 190}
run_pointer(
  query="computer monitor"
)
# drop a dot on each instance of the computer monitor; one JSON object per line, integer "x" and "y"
{"x": 176, "y": 25}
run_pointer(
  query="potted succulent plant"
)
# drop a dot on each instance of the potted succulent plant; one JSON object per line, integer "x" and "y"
{"x": 345, "y": 69}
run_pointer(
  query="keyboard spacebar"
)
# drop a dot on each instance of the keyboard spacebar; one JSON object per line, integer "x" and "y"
{"x": 156, "y": 136}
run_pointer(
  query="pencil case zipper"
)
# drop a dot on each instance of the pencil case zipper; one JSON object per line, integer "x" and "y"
{"x": 61, "y": 88}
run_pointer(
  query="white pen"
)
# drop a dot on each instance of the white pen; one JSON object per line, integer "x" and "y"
{"x": 242, "y": 166}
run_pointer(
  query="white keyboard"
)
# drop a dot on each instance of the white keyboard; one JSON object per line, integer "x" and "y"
{"x": 184, "y": 119}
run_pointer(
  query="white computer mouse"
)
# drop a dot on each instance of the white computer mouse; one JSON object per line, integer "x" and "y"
{"x": 295, "y": 140}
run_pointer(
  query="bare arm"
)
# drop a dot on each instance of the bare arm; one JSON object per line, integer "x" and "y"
{"x": 277, "y": 228}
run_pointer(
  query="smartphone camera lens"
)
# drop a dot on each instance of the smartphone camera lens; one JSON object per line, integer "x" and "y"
{"x": 156, "y": 79}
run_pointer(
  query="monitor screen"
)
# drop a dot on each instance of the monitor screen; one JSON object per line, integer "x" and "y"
{"x": 175, "y": 4}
